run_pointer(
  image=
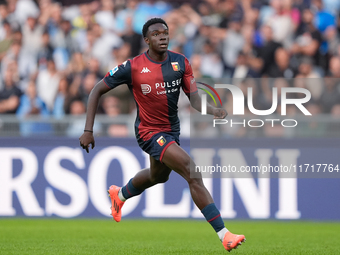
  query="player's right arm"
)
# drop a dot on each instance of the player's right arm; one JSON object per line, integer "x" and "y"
{"x": 119, "y": 75}
{"x": 92, "y": 104}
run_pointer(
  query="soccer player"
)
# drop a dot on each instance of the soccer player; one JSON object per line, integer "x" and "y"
{"x": 155, "y": 78}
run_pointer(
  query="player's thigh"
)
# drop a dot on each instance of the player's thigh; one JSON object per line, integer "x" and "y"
{"x": 179, "y": 160}
{"x": 158, "y": 170}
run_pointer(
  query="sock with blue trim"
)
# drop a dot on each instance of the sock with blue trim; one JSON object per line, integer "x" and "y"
{"x": 128, "y": 191}
{"x": 213, "y": 216}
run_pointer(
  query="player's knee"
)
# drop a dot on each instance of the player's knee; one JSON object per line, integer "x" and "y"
{"x": 195, "y": 182}
{"x": 159, "y": 179}
{"x": 184, "y": 168}
{"x": 163, "y": 179}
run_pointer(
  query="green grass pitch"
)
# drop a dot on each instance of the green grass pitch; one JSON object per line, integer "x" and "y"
{"x": 85, "y": 236}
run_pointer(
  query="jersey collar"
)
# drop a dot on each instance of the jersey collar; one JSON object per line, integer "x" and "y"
{"x": 154, "y": 61}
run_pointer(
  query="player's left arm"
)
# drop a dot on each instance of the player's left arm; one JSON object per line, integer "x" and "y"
{"x": 190, "y": 89}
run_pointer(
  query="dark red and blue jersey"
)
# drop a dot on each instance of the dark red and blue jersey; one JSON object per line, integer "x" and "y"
{"x": 155, "y": 87}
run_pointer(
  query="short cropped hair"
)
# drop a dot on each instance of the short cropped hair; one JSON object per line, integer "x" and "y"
{"x": 151, "y": 22}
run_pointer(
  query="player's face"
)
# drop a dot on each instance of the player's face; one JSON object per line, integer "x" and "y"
{"x": 158, "y": 38}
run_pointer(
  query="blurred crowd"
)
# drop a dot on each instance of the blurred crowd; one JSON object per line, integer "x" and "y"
{"x": 51, "y": 55}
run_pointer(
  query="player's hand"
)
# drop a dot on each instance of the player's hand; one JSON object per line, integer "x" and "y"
{"x": 220, "y": 113}
{"x": 85, "y": 140}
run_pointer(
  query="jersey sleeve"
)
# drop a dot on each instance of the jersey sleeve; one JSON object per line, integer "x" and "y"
{"x": 189, "y": 83}
{"x": 120, "y": 74}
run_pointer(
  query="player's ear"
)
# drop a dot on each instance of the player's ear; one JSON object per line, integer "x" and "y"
{"x": 146, "y": 40}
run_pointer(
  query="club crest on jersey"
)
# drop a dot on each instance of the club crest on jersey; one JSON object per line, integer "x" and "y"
{"x": 112, "y": 72}
{"x": 161, "y": 141}
{"x": 175, "y": 66}
{"x": 146, "y": 88}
